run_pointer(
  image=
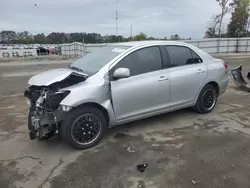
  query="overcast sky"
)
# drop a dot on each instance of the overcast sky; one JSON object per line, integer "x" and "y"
{"x": 158, "y": 18}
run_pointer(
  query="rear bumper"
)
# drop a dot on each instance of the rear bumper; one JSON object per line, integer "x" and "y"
{"x": 223, "y": 85}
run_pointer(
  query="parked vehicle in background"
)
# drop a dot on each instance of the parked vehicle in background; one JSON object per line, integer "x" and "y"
{"x": 121, "y": 83}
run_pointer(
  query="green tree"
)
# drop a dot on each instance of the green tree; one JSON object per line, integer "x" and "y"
{"x": 212, "y": 29}
{"x": 40, "y": 38}
{"x": 239, "y": 17}
{"x": 210, "y": 33}
{"x": 8, "y": 36}
{"x": 175, "y": 37}
{"x": 141, "y": 36}
{"x": 150, "y": 38}
{"x": 26, "y": 34}
{"x": 56, "y": 37}
{"x": 60, "y": 37}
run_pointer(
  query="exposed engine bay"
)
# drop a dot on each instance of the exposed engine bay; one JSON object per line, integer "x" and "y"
{"x": 45, "y": 113}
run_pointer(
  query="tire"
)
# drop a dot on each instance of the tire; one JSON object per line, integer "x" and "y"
{"x": 30, "y": 127}
{"x": 202, "y": 105}
{"x": 76, "y": 121}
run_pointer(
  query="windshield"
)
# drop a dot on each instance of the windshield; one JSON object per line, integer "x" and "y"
{"x": 94, "y": 61}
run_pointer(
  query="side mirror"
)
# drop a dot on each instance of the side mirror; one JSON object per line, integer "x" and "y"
{"x": 121, "y": 73}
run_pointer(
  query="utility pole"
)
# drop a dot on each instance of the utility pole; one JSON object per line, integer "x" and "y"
{"x": 116, "y": 19}
{"x": 131, "y": 31}
{"x": 238, "y": 31}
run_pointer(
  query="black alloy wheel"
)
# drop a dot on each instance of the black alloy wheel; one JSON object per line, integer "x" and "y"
{"x": 84, "y": 127}
{"x": 207, "y": 99}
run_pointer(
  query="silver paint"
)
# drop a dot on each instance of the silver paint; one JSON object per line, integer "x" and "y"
{"x": 144, "y": 95}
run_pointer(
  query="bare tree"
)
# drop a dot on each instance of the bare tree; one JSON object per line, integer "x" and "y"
{"x": 212, "y": 29}
{"x": 248, "y": 19}
{"x": 216, "y": 19}
{"x": 224, "y": 10}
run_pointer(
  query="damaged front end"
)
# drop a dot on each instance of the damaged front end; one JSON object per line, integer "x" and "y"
{"x": 45, "y": 112}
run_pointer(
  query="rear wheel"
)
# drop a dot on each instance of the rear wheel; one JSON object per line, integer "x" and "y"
{"x": 84, "y": 127}
{"x": 207, "y": 99}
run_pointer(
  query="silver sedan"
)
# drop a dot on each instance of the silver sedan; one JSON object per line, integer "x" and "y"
{"x": 121, "y": 83}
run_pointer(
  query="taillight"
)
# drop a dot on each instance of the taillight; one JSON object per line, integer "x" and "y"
{"x": 226, "y": 66}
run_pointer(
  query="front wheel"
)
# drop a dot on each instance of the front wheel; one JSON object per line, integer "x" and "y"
{"x": 207, "y": 99}
{"x": 84, "y": 127}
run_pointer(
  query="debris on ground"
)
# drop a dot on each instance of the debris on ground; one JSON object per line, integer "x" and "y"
{"x": 140, "y": 186}
{"x": 194, "y": 182}
{"x": 120, "y": 135}
{"x": 142, "y": 167}
{"x": 130, "y": 150}
{"x": 239, "y": 79}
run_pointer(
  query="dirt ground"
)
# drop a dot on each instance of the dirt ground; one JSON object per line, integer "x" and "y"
{"x": 182, "y": 149}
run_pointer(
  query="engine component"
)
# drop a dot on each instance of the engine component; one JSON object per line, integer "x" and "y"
{"x": 52, "y": 102}
{"x": 44, "y": 102}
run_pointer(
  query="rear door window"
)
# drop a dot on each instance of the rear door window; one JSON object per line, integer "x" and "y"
{"x": 179, "y": 56}
{"x": 196, "y": 58}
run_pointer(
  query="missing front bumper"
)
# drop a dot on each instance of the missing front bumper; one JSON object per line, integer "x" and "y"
{"x": 45, "y": 126}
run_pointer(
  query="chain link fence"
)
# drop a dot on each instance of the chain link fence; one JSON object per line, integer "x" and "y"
{"x": 75, "y": 49}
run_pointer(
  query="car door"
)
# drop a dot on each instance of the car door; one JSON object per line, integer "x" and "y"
{"x": 147, "y": 88}
{"x": 187, "y": 74}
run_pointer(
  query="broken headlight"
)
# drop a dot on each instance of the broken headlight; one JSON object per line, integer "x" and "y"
{"x": 53, "y": 100}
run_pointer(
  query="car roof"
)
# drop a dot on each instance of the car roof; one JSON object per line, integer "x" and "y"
{"x": 149, "y": 42}
{"x": 136, "y": 44}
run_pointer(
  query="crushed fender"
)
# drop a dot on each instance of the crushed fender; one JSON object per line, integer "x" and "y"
{"x": 239, "y": 79}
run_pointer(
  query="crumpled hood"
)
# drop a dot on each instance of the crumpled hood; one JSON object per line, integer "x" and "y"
{"x": 49, "y": 77}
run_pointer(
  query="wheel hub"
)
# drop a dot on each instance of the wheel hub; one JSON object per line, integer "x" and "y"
{"x": 86, "y": 129}
{"x": 209, "y": 99}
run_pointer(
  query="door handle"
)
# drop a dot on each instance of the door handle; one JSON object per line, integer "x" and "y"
{"x": 200, "y": 71}
{"x": 162, "y": 78}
